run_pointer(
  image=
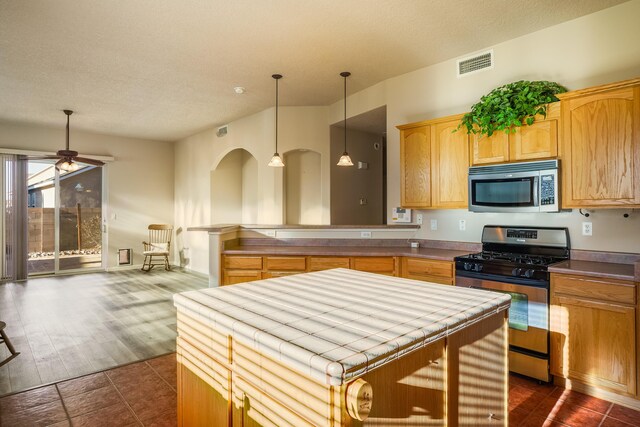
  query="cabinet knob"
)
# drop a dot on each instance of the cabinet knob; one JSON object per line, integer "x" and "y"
{"x": 359, "y": 399}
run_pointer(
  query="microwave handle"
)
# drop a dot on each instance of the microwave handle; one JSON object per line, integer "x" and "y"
{"x": 536, "y": 191}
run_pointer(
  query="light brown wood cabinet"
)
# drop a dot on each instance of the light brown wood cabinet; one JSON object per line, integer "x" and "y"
{"x": 537, "y": 141}
{"x": 600, "y": 150}
{"x": 242, "y": 268}
{"x": 428, "y": 270}
{"x": 415, "y": 167}
{"x": 593, "y": 332}
{"x": 434, "y": 162}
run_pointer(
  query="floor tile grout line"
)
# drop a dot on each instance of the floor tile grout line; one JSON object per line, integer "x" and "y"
{"x": 123, "y": 399}
{"x": 158, "y": 374}
{"x": 63, "y": 404}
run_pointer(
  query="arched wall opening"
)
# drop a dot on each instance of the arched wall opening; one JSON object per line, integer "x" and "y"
{"x": 234, "y": 189}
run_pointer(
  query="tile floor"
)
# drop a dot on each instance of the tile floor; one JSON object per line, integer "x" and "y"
{"x": 144, "y": 393}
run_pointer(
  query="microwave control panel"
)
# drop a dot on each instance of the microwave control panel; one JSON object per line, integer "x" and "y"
{"x": 547, "y": 189}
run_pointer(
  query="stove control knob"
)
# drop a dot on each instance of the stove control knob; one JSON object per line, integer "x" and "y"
{"x": 467, "y": 266}
{"x": 516, "y": 271}
{"x": 477, "y": 267}
{"x": 528, "y": 273}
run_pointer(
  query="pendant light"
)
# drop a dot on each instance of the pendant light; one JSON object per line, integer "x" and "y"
{"x": 345, "y": 160}
{"x": 276, "y": 161}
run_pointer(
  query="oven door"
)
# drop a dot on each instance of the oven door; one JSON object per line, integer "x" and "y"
{"x": 509, "y": 192}
{"x": 528, "y": 314}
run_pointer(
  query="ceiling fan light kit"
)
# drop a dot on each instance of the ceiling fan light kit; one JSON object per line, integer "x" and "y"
{"x": 68, "y": 159}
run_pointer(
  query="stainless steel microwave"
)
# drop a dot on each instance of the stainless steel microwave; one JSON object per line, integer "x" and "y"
{"x": 514, "y": 187}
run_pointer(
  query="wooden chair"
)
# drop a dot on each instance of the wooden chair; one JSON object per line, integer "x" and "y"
{"x": 5, "y": 339}
{"x": 158, "y": 246}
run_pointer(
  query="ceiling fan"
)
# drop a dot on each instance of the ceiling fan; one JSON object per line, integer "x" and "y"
{"x": 68, "y": 159}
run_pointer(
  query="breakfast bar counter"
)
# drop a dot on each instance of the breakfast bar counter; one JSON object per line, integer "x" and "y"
{"x": 342, "y": 348}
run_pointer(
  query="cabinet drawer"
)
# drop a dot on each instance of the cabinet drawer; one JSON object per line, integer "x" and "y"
{"x": 375, "y": 264}
{"x": 243, "y": 262}
{"x": 327, "y": 263}
{"x": 428, "y": 267}
{"x": 285, "y": 263}
{"x": 590, "y": 287}
{"x": 232, "y": 277}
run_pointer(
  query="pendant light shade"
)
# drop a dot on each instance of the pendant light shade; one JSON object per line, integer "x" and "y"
{"x": 276, "y": 160}
{"x": 345, "y": 160}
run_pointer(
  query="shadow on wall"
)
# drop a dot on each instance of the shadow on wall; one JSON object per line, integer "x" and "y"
{"x": 234, "y": 189}
{"x": 302, "y": 187}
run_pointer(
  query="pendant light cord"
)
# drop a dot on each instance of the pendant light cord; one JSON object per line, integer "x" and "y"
{"x": 345, "y": 113}
{"x": 67, "y": 131}
{"x": 277, "y": 114}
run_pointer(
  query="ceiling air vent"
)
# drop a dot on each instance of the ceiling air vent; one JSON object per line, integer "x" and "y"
{"x": 222, "y": 131}
{"x": 475, "y": 63}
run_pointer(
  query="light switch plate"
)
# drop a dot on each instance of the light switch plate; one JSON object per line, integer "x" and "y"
{"x": 271, "y": 233}
{"x": 365, "y": 234}
{"x": 462, "y": 224}
{"x": 434, "y": 224}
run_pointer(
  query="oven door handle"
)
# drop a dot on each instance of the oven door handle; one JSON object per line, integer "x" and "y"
{"x": 504, "y": 279}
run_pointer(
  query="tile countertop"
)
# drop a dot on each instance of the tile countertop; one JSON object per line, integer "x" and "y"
{"x": 432, "y": 253}
{"x": 337, "y": 324}
{"x": 596, "y": 269}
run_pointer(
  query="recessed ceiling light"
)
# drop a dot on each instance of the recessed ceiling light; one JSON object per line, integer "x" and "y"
{"x": 239, "y": 89}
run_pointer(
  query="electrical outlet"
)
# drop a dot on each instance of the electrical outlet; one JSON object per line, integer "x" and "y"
{"x": 419, "y": 219}
{"x": 434, "y": 224}
{"x": 271, "y": 233}
{"x": 365, "y": 234}
{"x": 462, "y": 224}
{"x": 587, "y": 228}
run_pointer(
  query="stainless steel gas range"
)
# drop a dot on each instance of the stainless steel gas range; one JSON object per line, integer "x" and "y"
{"x": 515, "y": 260}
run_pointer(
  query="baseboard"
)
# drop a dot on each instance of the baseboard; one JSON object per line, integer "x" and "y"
{"x": 619, "y": 399}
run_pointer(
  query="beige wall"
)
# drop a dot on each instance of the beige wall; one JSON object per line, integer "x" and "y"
{"x": 140, "y": 180}
{"x": 197, "y": 155}
{"x": 595, "y": 49}
{"x": 350, "y": 184}
{"x": 302, "y": 185}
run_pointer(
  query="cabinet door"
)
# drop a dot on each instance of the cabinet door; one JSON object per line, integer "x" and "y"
{"x": 489, "y": 149}
{"x": 594, "y": 342}
{"x": 428, "y": 270}
{"x": 450, "y": 166}
{"x": 374, "y": 264}
{"x": 601, "y": 148}
{"x": 415, "y": 169}
{"x": 232, "y": 277}
{"x": 537, "y": 141}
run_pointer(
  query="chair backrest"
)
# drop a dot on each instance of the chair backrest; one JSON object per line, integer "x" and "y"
{"x": 160, "y": 233}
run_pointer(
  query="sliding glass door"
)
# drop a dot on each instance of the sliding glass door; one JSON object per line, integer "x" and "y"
{"x": 64, "y": 218}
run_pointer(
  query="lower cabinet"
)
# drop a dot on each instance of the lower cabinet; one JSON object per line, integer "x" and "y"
{"x": 593, "y": 332}
{"x": 429, "y": 270}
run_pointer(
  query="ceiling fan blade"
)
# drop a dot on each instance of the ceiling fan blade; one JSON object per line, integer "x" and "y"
{"x": 88, "y": 161}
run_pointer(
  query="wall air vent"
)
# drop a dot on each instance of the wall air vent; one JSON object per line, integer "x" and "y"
{"x": 222, "y": 131}
{"x": 473, "y": 64}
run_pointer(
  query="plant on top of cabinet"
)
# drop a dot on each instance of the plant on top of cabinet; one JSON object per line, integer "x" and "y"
{"x": 510, "y": 106}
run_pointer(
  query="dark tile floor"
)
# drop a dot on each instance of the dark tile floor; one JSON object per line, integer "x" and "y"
{"x": 144, "y": 393}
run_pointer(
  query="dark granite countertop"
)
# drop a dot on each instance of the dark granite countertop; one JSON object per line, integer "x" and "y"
{"x": 431, "y": 253}
{"x": 596, "y": 269}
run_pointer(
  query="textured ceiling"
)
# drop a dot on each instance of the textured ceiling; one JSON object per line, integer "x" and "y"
{"x": 165, "y": 69}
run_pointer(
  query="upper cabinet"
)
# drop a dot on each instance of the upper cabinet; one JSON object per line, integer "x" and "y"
{"x": 600, "y": 150}
{"x": 434, "y": 163}
{"x": 537, "y": 141}
{"x": 415, "y": 166}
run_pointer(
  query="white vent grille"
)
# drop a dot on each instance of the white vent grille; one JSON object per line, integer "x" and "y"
{"x": 476, "y": 63}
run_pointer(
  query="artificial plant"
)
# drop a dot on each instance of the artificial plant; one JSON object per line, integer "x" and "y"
{"x": 510, "y": 106}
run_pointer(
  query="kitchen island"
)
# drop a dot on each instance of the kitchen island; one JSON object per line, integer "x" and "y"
{"x": 342, "y": 348}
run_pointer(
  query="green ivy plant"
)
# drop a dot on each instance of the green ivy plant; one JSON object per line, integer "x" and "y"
{"x": 510, "y": 106}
